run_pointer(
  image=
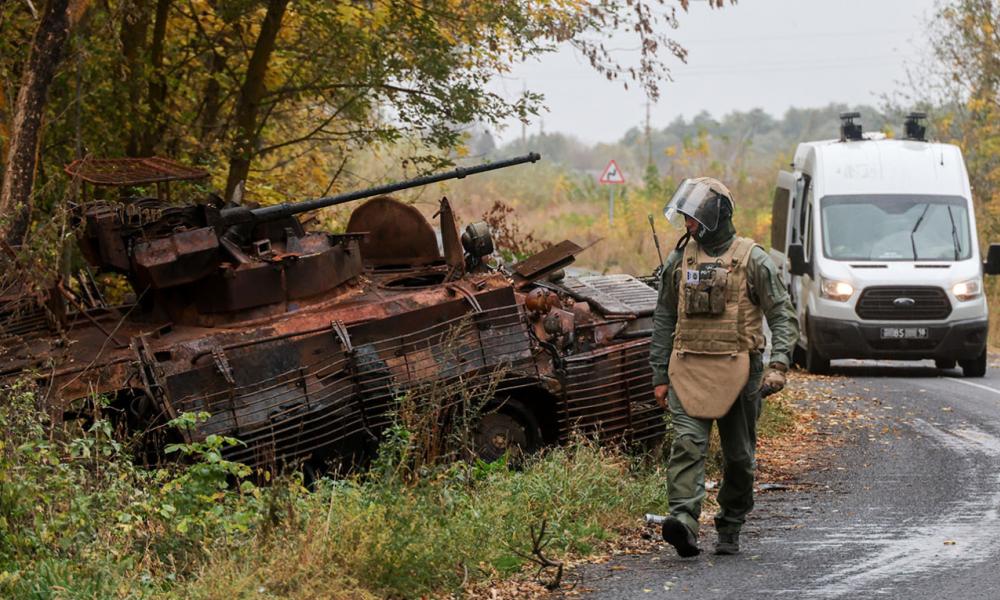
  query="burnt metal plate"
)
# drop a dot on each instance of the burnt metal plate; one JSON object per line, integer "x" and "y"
{"x": 398, "y": 235}
{"x": 313, "y": 274}
{"x": 559, "y": 255}
{"x": 184, "y": 257}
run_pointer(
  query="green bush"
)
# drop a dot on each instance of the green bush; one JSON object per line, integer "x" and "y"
{"x": 79, "y": 519}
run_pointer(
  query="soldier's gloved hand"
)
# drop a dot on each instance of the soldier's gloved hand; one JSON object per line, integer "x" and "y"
{"x": 660, "y": 393}
{"x": 774, "y": 379}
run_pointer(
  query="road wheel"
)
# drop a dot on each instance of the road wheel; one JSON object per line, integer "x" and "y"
{"x": 815, "y": 362}
{"x": 975, "y": 367}
{"x": 944, "y": 363}
{"x": 510, "y": 428}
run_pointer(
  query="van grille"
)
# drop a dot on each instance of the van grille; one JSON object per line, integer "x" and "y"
{"x": 880, "y": 303}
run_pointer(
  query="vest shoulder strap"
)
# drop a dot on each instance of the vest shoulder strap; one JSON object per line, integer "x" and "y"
{"x": 742, "y": 251}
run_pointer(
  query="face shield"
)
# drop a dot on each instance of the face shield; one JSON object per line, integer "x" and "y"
{"x": 701, "y": 199}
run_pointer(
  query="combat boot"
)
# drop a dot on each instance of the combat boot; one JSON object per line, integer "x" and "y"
{"x": 680, "y": 537}
{"x": 728, "y": 543}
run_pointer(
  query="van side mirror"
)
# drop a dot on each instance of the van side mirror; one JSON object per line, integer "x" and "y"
{"x": 992, "y": 264}
{"x": 797, "y": 258}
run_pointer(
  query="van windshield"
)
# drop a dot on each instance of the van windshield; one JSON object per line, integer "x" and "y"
{"x": 895, "y": 227}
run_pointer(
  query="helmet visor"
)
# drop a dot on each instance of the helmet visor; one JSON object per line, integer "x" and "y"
{"x": 696, "y": 199}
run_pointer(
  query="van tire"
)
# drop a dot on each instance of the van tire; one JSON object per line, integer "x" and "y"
{"x": 815, "y": 362}
{"x": 975, "y": 367}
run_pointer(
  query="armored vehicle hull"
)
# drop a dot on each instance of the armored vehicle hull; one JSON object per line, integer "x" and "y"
{"x": 304, "y": 350}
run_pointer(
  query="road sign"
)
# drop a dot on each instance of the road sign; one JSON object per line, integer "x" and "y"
{"x": 612, "y": 174}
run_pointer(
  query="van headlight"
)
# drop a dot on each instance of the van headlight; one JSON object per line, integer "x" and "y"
{"x": 967, "y": 290}
{"x": 841, "y": 291}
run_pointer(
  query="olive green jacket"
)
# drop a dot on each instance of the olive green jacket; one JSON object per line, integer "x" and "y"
{"x": 767, "y": 291}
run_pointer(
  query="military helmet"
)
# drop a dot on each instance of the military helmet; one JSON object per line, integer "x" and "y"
{"x": 704, "y": 199}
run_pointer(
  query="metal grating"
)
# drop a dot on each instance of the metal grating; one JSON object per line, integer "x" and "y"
{"x": 131, "y": 171}
{"x": 885, "y": 303}
{"x": 613, "y": 294}
{"x": 344, "y": 397}
{"x": 609, "y": 395}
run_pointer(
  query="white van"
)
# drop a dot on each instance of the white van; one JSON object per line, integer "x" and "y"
{"x": 876, "y": 240}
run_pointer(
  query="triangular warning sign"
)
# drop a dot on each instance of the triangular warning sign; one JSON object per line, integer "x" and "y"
{"x": 612, "y": 174}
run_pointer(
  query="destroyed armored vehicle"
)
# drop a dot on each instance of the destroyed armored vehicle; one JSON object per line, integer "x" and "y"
{"x": 301, "y": 343}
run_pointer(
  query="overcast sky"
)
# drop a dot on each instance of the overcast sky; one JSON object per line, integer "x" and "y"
{"x": 770, "y": 54}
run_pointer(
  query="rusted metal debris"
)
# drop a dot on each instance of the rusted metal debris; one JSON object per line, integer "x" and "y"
{"x": 300, "y": 343}
{"x": 131, "y": 171}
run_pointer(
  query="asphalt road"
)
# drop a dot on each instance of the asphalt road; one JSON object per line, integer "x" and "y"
{"x": 907, "y": 507}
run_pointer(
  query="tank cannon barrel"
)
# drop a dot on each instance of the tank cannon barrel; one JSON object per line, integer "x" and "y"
{"x": 238, "y": 215}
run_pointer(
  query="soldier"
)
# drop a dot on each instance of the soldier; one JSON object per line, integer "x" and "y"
{"x": 706, "y": 355}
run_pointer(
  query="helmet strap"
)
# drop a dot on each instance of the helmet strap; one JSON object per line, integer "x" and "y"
{"x": 683, "y": 242}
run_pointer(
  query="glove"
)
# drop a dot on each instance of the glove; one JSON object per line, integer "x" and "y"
{"x": 774, "y": 379}
{"x": 660, "y": 393}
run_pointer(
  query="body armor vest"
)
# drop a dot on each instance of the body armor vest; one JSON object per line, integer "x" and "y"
{"x": 717, "y": 328}
{"x": 714, "y": 312}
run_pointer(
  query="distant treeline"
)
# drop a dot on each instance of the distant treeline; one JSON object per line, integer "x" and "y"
{"x": 750, "y": 139}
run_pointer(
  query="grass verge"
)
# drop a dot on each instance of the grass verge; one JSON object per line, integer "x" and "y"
{"x": 78, "y": 519}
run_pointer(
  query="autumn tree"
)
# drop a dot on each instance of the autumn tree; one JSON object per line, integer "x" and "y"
{"x": 26, "y": 118}
{"x": 254, "y": 89}
{"x": 963, "y": 88}
{"x": 965, "y": 84}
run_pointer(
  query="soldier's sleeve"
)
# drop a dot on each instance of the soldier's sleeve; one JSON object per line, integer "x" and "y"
{"x": 664, "y": 320}
{"x": 777, "y": 306}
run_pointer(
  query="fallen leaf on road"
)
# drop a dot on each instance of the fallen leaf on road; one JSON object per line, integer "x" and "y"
{"x": 949, "y": 542}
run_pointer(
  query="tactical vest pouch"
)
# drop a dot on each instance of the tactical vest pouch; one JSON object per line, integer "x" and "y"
{"x": 706, "y": 290}
{"x": 708, "y": 384}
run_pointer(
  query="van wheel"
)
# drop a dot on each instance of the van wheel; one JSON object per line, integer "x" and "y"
{"x": 510, "y": 428}
{"x": 944, "y": 363}
{"x": 975, "y": 367}
{"x": 816, "y": 363}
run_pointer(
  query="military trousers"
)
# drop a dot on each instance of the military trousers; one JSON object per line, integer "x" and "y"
{"x": 738, "y": 436}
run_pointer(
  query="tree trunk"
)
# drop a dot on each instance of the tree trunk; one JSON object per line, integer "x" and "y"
{"x": 134, "y": 28}
{"x": 157, "y": 94}
{"x": 4, "y": 134}
{"x": 212, "y": 104}
{"x": 250, "y": 96}
{"x": 19, "y": 171}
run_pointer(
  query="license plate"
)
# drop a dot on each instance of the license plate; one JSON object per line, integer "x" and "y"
{"x": 904, "y": 333}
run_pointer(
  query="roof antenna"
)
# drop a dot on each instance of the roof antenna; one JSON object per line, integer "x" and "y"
{"x": 849, "y": 130}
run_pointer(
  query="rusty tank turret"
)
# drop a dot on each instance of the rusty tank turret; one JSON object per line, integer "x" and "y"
{"x": 300, "y": 343}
